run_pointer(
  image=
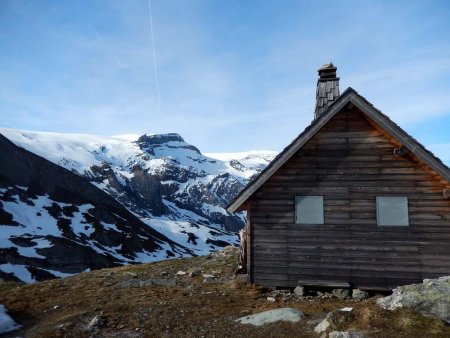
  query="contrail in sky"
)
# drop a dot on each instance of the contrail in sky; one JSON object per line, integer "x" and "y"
{"x": 155, "y": 62}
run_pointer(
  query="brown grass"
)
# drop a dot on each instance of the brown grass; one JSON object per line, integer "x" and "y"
{"x": 63, "y": 308}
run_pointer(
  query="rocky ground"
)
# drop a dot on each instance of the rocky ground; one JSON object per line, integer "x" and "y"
{"x": 192, "y": 297}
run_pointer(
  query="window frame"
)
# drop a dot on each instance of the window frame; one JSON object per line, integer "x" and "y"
{"x": 379, "y": 210}
{"x": 322, "y": 216}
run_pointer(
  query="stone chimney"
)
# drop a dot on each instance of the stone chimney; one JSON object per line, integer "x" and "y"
{"x": 327, "y": 88}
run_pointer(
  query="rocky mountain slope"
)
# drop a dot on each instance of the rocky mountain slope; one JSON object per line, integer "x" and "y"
{"x": 54, "y": 223}
{"x": 166, "y": 185}
{"x": 157, "y": 300}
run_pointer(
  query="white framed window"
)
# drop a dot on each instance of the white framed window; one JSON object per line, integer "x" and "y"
{"x": 309, "y": 210}
{"x": 392, "y": 211}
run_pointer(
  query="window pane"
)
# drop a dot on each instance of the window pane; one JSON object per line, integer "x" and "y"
{"x": 392, "y": 211}
{"x": 309, "y": 209}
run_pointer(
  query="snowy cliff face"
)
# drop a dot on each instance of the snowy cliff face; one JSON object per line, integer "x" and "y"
{"x": 54, "y": 222}
{"x": 172, "y": 188}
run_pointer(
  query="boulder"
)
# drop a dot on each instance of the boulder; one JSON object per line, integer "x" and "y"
{"x": 130, "y": 274}
{"x": 431, "y": 298}
{"x": 322, "y": 326}
{"x": 157, "y": 282}
{"x": 299, "y": 291}
{"x": 209, "y": 278}
{"x": 333, "y": 319}
{"x": 341, "y": 293}
{"x": 96, "y": 322}
{"x": 359, "y": 294}
{"x": 194, "y": 272}
{"x": 287, "y": 314}
{"x": 323, "y": 294}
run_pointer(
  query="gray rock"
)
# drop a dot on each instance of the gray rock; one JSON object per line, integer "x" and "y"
{"x": 333, "y": 319}
{"x": 209, "y": 278}
{"x": 341, "y": 293}
{"x": 359, "y": 294}
{"x": 271, "y": 299}
{"x": 158, "y": 282}
{"x": 287, "y": 314}
{"x": 431, "y": 298}
{"x": 194, "y": 272}
{"x": 299, "y": 291}
{"x": 130, "y": 274}
{"x": 322, "y": 326}
{"x": 345, "y": 334}
{"x": 284, "y": 294}
{"x": 96, "y": 322}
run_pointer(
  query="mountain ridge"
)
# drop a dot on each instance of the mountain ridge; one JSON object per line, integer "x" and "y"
{"x": 47, "y": 210}
{"x": 162, "y": 180}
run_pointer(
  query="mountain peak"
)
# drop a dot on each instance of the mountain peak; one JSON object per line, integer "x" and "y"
{"x": 160, "y": 138}
{"x": 149, "y": 142}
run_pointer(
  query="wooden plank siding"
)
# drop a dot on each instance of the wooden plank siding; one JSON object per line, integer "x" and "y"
{"x": 350, "y": 162}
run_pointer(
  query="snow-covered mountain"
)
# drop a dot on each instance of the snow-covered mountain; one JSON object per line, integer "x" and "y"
{"x": 171, "y": 187}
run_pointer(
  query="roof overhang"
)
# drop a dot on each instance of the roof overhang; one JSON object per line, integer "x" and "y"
{"x": 348, "y": 96}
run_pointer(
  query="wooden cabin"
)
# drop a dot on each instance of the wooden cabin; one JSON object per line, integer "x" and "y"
{"x": 353, "y": 201}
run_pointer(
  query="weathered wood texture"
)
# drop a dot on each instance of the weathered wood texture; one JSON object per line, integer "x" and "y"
{"x": 350, "y": 162}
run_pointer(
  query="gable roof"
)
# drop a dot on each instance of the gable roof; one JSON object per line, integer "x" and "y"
{"x": 348, "y": 96}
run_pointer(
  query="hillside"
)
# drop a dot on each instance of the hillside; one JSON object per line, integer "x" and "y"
{"x": 54, "y": 223}
{"x": 152, "y": 300}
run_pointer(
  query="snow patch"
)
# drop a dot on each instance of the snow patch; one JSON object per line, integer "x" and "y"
{"x": 7, "y": 324}
{"x": 19, "y": 271}
{"x": 79, "y": 224}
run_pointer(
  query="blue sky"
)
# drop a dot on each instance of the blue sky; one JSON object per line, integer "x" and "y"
{"x": 232, "y": 75}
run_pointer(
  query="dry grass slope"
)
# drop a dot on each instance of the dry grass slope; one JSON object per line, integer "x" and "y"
{"x": 131, "y": 307}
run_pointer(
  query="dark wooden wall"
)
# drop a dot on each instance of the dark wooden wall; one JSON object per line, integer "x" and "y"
{"x": 350, "y": 162}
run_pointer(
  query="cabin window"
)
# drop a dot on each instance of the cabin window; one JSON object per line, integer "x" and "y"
{"x": 392, "y": 211}
{"x": 309, "y": 210}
